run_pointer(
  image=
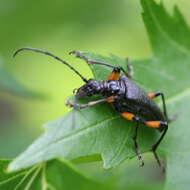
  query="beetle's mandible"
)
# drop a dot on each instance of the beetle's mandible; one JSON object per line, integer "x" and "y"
{"x": 130, "y": 101}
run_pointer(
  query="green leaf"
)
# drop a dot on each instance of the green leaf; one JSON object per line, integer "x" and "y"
{"x": 52, "y": 175}
{"x": 101, "y": 131}
{"x": 11, "y": 85}
{"x": 169, "y": 37}
{"x": 96, "y": 132}
{"x": 107, "y": 134}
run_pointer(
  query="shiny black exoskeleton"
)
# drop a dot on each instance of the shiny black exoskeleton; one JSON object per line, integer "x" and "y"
{"x": 130, "y": 98}
{"x": 130, "y": 101}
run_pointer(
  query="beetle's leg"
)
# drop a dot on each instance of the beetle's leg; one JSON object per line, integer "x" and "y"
{"x": 157, "y": 124}
{"x": 155, "y": 146}
{"x": 130, "y": 116}
{"x": 159, "y": 93}
{"x": 74, "y": 111}
{"x": 115, "y": 74}
{"x": 90, "y": 61}
{"x": 130, "y": 68}
{"x": 136, "y": 145}
{"x": 89, "y": 104}
{"x": 153, "y": 124}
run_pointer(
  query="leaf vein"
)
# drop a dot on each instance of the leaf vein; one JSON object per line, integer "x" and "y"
{"x": 32, "y": 178}
{"x": 44, "y": 182}
{"x": 179, "y": 96}
{"x": 24, "y": 177}
{"x": 18, "y": 175}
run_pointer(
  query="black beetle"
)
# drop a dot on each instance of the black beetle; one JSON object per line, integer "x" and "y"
{"x": 126, "y": 97}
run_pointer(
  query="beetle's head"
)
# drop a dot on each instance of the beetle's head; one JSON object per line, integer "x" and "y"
{"x": 90, "y": 88}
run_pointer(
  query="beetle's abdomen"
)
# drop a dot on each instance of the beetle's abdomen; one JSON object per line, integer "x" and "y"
{"x": 136, "y": 101}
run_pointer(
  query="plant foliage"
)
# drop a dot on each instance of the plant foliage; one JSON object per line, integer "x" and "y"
{"x": 9, "y": 84}
{"x": 50, "y": 175}
{"x": 99, "y": 132}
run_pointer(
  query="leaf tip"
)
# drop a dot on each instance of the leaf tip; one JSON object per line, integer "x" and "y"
{"x": 12, "y": 167}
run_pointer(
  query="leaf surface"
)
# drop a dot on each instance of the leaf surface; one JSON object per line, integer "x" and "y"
{"x": 169, "y": 37}
{"x": 52, "y": 175}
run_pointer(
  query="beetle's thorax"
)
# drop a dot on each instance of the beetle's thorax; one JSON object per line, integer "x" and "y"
{"x": 105, "y": 88}
{"x": 113, "y": 87}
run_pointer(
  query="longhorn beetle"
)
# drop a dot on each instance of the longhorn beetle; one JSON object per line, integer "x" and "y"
{"x": 125, "y": 96}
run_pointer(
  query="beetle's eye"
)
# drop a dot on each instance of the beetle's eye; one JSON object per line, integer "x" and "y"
{"x": 75, "y": 90}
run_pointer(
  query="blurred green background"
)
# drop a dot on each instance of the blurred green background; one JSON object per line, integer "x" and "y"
{"x": 60, "y": 26}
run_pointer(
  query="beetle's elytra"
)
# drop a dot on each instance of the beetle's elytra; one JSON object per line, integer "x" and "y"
{"x": 127, "y": 98}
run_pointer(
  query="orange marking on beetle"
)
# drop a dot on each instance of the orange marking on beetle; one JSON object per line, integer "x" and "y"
{"x": 128, "y": 116}
{"x": 154, "y": 124}
{"x": 114, "y": 76}
{"x": 111, "y": 100}
{"x": 152, "y": 95}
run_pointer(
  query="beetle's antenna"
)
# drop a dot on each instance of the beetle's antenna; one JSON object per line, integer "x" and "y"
{"x": 52, "y": 55}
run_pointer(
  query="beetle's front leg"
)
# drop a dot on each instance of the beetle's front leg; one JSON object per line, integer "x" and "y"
{"x": 116, "y": 72}
{"x": 114, "y": 75}
{"x": 89, "y": 104}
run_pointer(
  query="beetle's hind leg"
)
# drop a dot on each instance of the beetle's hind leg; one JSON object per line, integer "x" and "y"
{"x": 153, "y": 124}
{"x": 153, "y": 95}
{"x": 155, "y": 146}
{"x": 136, "y": 145}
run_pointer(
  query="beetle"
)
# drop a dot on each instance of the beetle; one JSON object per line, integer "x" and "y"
{"x": 126, "y": 97}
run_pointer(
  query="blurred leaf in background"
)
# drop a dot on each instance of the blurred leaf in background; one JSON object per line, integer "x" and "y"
{"x": 97, "y": 134}
{"x": 11, "y": 85}
{"x": 101, "y": 26}
{"x": 59, "y": 27}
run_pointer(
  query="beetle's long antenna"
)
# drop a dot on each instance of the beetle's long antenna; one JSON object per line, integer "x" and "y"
{"x": 52, "y": 55}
